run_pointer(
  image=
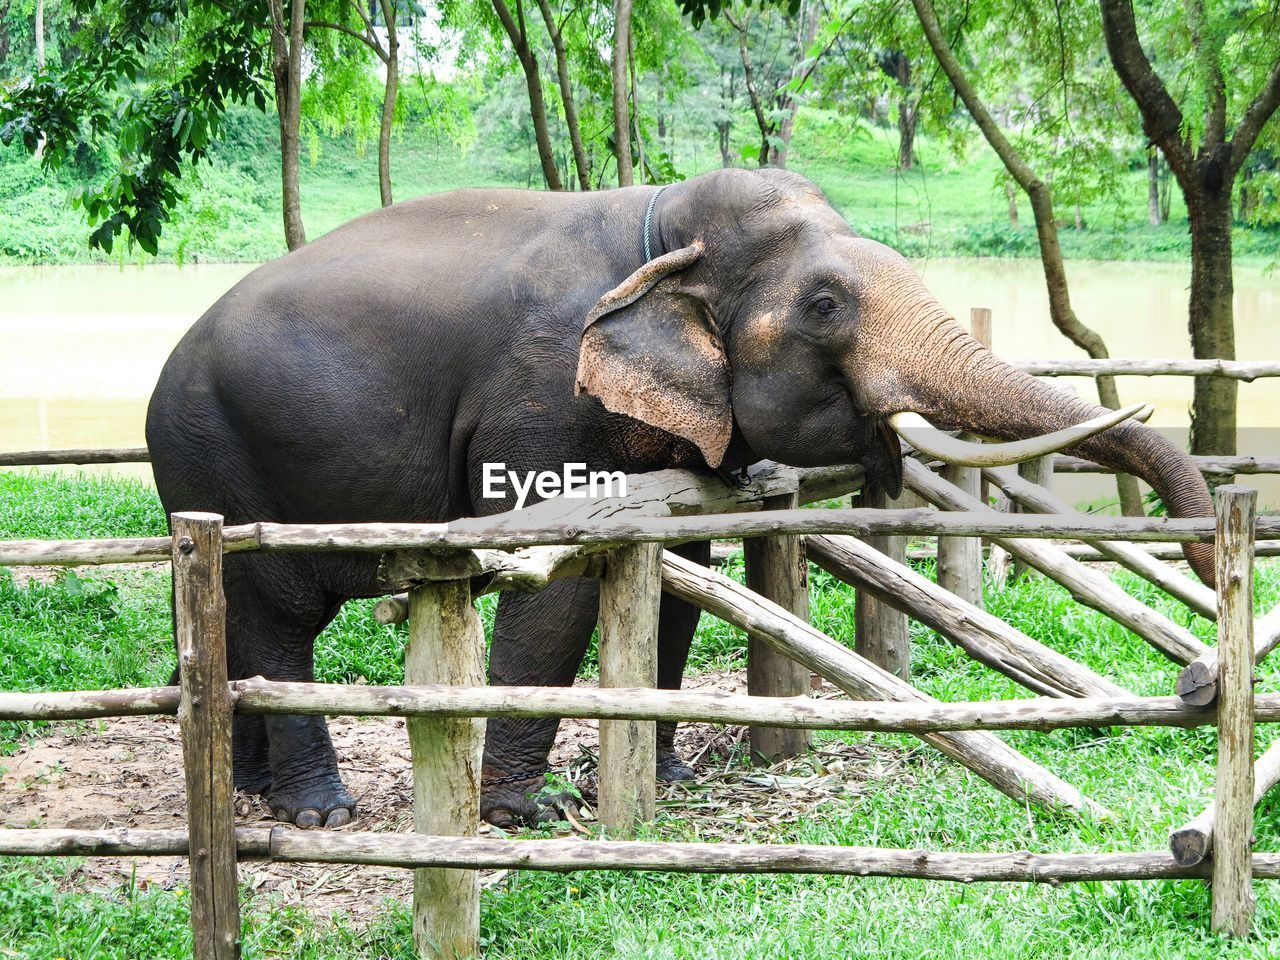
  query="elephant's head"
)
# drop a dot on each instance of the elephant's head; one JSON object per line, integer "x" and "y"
{"x": 763, "y": 318}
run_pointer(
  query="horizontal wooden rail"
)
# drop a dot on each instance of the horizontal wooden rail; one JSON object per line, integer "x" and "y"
{"x": 1206, "y": 464}
{"x": 410, "y": 851}
{"x": 1246, "y": 370}
{"x": 74, "y": 457}
{"x": 505, "y": 533}
{"x": 259, "y": 696}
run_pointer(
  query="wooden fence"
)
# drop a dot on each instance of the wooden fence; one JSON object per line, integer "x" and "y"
{"x": 443, "y": 566}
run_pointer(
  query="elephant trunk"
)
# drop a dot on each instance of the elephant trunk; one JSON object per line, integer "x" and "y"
{"x": 958, "y": 384}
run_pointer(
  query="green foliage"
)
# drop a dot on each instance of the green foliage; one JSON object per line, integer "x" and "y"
{"x": 113, "y": 96}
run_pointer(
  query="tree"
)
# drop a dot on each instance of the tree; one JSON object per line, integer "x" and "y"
{"x": 156, "y": 120}
{"x": 517, "y": 30}
{"x": 1039, "y": 194}
{"x": 897, "y": 65}
{"x": 555, "y": 29}
{"x": 785, "y": 64}
{"x": 1227, "y": 40}
{"x": 388, "y": 53}
{"x": 621, "y": 59}
{"x": 286, "y": 33}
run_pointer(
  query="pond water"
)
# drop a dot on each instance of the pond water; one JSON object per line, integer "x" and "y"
{"x": 81, "y": 346}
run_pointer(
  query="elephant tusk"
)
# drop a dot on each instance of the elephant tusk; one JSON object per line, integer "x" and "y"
{"x": 927, "y": 438}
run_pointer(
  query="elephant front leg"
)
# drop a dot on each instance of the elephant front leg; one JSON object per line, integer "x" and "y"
{"x": 538, "y": 639}
{"x": 677, "y": 623}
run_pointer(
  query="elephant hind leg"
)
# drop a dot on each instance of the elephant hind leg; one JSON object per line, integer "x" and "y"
{"x": 275, "y": 609}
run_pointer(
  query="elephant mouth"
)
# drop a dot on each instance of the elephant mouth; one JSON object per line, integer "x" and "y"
{"x": 928, "y": 439}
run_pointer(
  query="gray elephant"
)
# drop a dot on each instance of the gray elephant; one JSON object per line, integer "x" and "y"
{"x": 371, "y": 374}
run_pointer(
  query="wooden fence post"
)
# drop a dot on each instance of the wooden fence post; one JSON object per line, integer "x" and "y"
{"x": 778, "y": 570}
{"x": 204, "y": 715}
{"x": 446, "y": 645}
{"x": 881, "y": 633}
{"x": 630, "y": 591}
{"x": 960, "y": 558}
{"x": 1233, "y": 900}
{"x": 1040, "y": 472}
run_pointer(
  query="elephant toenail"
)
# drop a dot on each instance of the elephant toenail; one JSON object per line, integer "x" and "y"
{"x": 282, "y": 814}
{"x": 307, "y": 819}
{"x": 338, "y": 818}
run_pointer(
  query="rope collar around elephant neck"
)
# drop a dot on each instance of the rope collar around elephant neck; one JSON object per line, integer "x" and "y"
{"x": 648, "y": 222}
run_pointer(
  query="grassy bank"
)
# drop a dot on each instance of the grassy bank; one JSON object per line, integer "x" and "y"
{"x": 947, "y": 206}
{"x": 110, "y": 628}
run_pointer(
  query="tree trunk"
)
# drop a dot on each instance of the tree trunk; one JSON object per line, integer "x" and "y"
{"x": 621, "y": 110}
{"x": 1153, "y": 187}
{"x": 1248, "y": 199}
{"x": 286, "y": 72}
{"x": 40, "y": 58}
{"x": 808, "y": 29}
{"x": 635, "y": 113}
{"x": 1011, "y": 197}
{"x": 1213, "y": 409}
{"x": 907, "y": 122}
{"x": 388, "y": 103}
{"x": 580, "y": 161}
{"x": 518, "y": 34}
{"x": 757, "y": 106}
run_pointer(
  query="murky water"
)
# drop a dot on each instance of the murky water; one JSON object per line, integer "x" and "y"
{"x": 81, "y": 346}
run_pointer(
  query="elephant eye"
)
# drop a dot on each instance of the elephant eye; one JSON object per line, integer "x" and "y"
{"x": 826, "y": 305}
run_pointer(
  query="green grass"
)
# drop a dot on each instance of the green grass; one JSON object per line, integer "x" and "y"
{"x": 111, "y": 629}
{"x": 947, "y": 206}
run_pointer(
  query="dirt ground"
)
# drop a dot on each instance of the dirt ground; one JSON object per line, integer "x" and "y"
{"x": 128, "y": 773}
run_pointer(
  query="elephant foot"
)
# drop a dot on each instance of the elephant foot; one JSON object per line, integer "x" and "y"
{"x": 671, "y": 769}
{"x": 256, "y": 782}
{"x": 524, "y": 802}
{"x": 325, "y": 806}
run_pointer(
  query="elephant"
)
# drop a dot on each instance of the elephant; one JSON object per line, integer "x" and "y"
{"x": 710, "y": 324}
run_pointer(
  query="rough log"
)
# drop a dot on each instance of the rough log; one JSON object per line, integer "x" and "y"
{"x": 1207, "y": 464}
{"x": 383, "y": 537}
{"x": 1192, "y": 841}
{"x": 1246, "y": 370}
{"x": 881, "y": 631}
{"x": 1035, "y": 497}
{"x": 89, "y": 704}
{"x": 1087, "y": 554}
{"x": 630, "y": 592}
{"x": 1039, "y": 473}
{"x": 1198, "y": 682}
{"x": 258, "y": 696}
{"x": 989, "y": 757}
{"x": 75, "y": 553}
{"x": 960, "y": 558}
{"x": 1087, "y": 586}
{"x": 74, "y": 457}
{"x": 777, "y": 570}
{"x": 408, "y": 850}
{"x": 1233, "y": 900}
{"x": 204, "y": 715}
{"x": 283, "y": 845}
{"x": 446, "y": 646}
{"x": 983, "y": 636}
{"x": 252, "y": 843}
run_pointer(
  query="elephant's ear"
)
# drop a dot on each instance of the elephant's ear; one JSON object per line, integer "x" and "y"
{"x": 650, "y": 350}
